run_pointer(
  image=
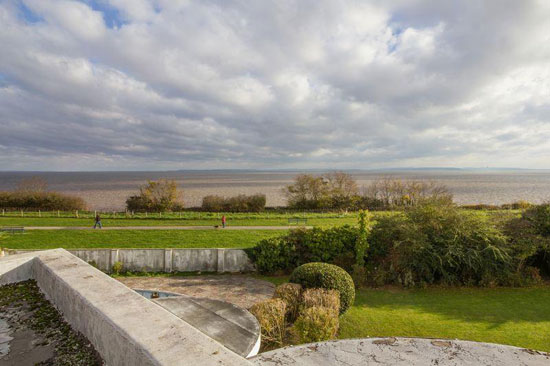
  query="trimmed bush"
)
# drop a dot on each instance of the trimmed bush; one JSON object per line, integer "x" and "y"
{"x": 319, "y": 297}
{"x": 240, "y": 203}
{"x": 271, "y": 316}
{"x": 334, "y": 245}
{"x": 291, "y": 294}
{"x": 316, "y": 324}
{"x": 327, "y": 276}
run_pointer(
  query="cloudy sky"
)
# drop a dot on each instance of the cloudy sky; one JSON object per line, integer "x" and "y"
{"x": 175, "y": 84}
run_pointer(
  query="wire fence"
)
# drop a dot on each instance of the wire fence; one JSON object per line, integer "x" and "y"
{"x": 183, "y": 215}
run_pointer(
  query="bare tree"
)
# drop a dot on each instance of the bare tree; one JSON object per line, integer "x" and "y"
{"x": 34, "y": 184}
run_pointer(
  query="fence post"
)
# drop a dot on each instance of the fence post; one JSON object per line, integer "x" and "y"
{"x": 39, "y": 213}
{"x": 145, "y": 213}
{"x": 76, "y": 213}
{"x": 3, "y": 212}
{"x": 160, "y": 214}
{"x": 21, "y": 213}
{"x": 57, "y": 213}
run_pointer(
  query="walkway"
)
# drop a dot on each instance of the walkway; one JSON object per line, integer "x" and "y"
{"x": 166, "y": 227}
{"x": 241, "y": 290}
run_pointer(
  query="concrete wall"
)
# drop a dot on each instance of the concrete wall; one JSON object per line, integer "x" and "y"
{"x": 124, "y": 327}
{"x": 165, "y": 260}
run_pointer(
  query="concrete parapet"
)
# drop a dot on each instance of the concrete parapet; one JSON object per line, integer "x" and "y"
{"x": 124, "y": 327}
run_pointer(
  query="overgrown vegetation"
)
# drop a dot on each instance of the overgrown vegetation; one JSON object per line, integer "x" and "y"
{"x": 339, "y": 190}
{"x": 31, "y": 194}
{"x": 159, "y": 196}
{"x": 40, "y": 201}
{"x": 433, "y": 242}
{"x": 240, "y": 203}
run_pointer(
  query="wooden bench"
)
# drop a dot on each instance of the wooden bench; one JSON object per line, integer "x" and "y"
{"x": 297, "y": 221}
{"x": 12, "y": 229}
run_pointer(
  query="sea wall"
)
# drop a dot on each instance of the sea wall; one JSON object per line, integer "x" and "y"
{"x": 164, "y": 260}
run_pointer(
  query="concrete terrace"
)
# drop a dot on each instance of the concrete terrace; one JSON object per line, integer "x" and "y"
{"x": 128, "y": 329}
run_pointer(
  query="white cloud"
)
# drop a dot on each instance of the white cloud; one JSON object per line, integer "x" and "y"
{"x": 274, "y": 84}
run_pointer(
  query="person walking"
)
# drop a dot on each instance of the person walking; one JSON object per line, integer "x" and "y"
{"x": 98, "y": 222}
{"x": 223, "y": 221}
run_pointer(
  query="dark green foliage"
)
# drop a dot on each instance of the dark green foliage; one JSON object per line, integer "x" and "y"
{"x": 439, "y": 244}
{"x": 327, "y": 276}
{"x": 240, "y": 203}
{"x": 539, "y": 218}
{"x": 44, "y": 201}
{"x": 334, "y": 245}
{"x": 529, "y": 238}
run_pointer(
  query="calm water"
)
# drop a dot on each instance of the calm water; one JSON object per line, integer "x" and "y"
{"x": 109, "y": 190}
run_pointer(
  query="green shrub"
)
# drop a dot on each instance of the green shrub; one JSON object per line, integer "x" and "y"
{"x": 161, "y": 195}
{"x": 271, "y": 316}
{"x": 327, "y": 276}
{"x": 272, "y": 255}
{"x": 320, "y": 297}
{"x": 45, "y": 201}
{"x": 240, "y": 203}
{"x": 334, "y": 245}
{"x": 291, "y": 294}
{"x": 117, "y": 267}
{"x": 439, "y": 244}
{"x": 316, "y": 324}
{"x": 539, "y": 217}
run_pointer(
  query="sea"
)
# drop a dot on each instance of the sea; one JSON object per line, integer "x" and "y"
{"x": 108, "y": 190}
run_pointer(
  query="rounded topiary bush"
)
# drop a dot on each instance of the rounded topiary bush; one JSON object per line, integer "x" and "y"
{"x": 327, "y": 276}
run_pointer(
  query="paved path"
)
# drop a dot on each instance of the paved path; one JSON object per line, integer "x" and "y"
{"x": 166, "y": 227}
{"x": 241, "y": 290}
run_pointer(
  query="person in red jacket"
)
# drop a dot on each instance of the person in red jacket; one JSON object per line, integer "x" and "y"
{"x": 223, "y": 221}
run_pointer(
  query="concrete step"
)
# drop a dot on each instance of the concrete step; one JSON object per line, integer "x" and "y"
{"x": 228, "y": 324}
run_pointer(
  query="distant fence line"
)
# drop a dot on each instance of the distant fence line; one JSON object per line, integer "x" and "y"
{"x": 196, "y": 215}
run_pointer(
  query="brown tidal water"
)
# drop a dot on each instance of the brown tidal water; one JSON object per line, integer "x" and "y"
{"x": 109, "y": 190}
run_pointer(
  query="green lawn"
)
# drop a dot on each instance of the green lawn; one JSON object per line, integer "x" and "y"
{"x": 202, "y": 218}
{"x": 72, "y": 239}
{"x": 514, "y": 316}
{"x": 65, "y": 221}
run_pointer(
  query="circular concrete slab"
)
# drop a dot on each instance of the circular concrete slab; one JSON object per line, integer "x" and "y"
{"x": 241, "y": 290}
{"x": 402, "y": 352}
{"x": 229, "y": 324}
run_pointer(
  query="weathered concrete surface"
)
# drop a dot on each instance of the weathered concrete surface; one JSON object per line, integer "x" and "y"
{"x": 16, "y": 268}
{"x": 124, "y": 327}
{"x": 164, "y": 260}
{"x": 241, "y": 290}
{"x": 402, "y": 352}
{"x": 230, "y": 325}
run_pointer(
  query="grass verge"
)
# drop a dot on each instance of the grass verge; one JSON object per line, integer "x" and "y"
{"x": 73, "y": 239}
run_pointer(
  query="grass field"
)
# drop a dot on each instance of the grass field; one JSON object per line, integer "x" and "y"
{"x": 72, "y": 239}
{"x": 514, "y": 316}
{"x": 199, "y": 218}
